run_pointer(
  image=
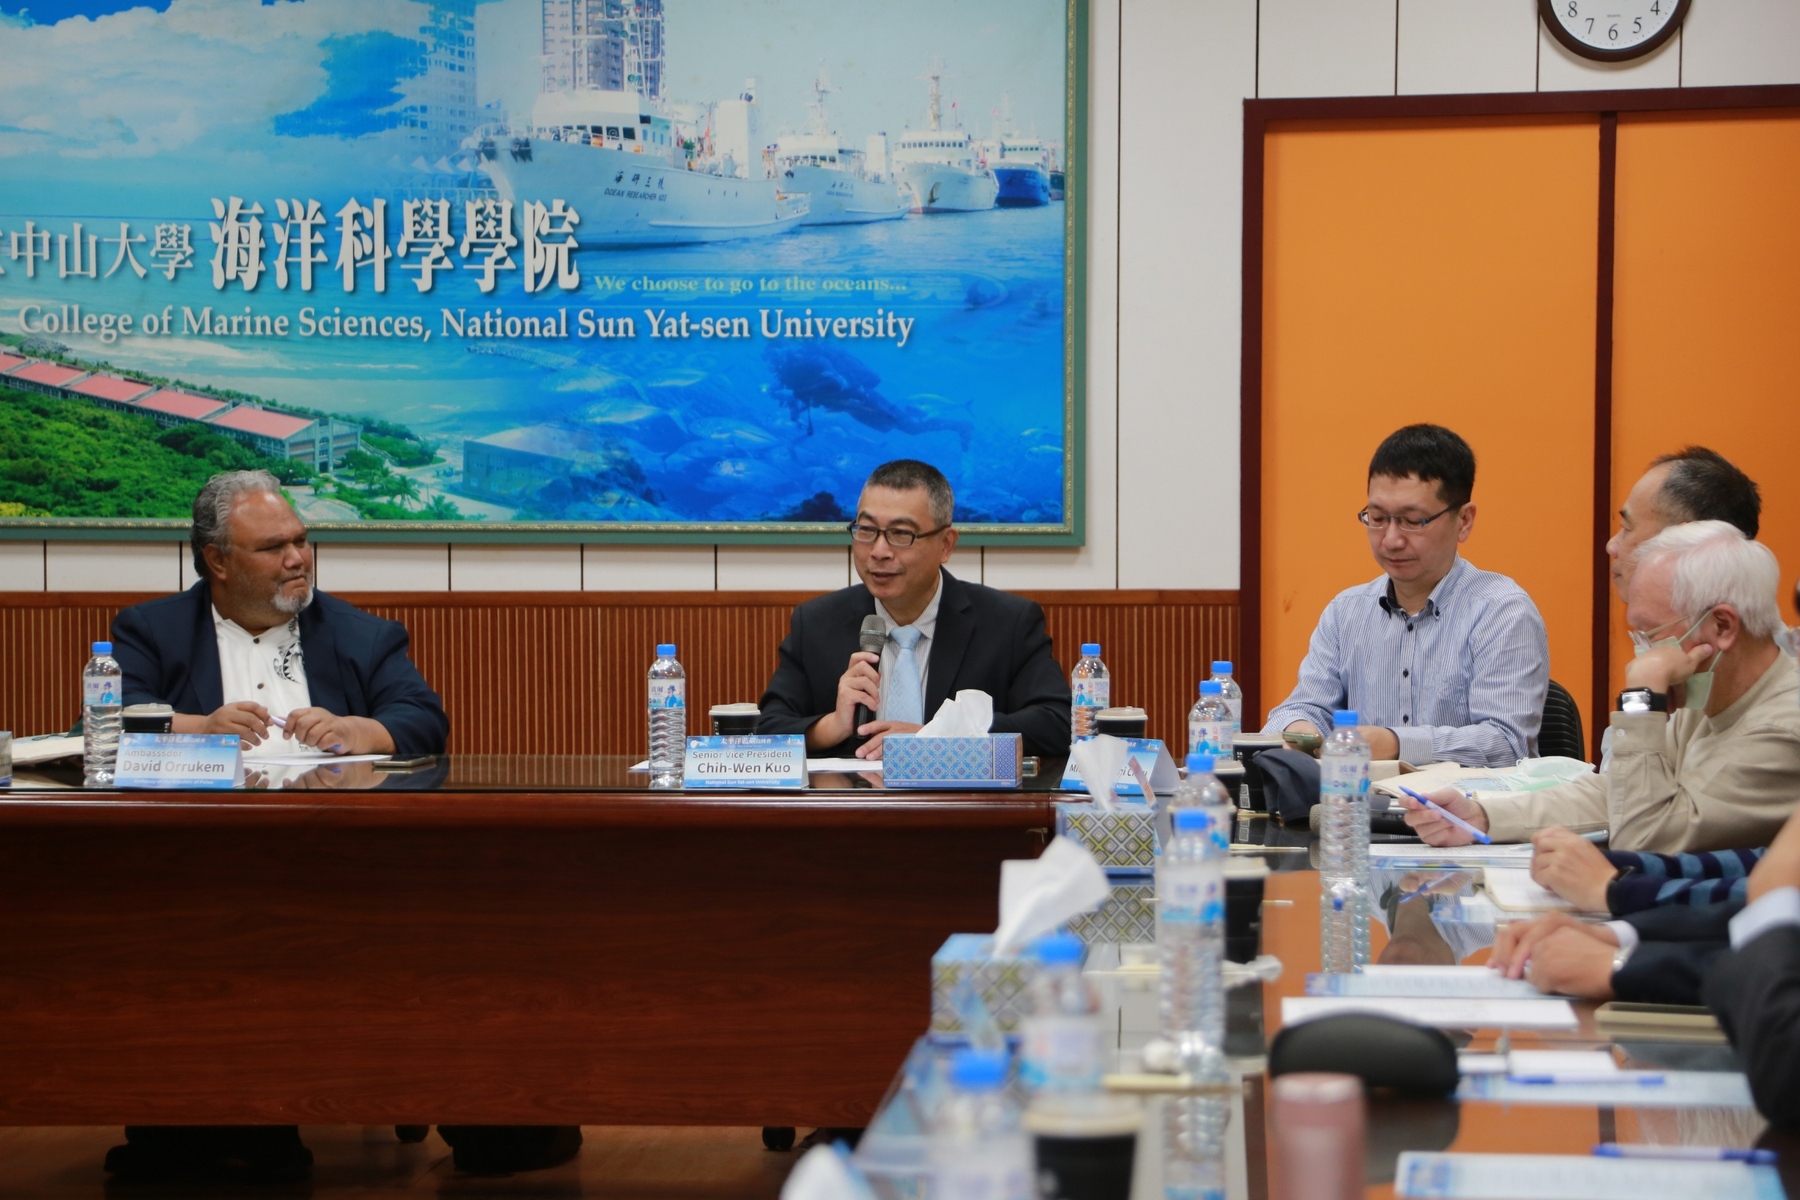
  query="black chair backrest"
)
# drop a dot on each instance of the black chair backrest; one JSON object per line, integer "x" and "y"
{"x": 1560, "y": 733}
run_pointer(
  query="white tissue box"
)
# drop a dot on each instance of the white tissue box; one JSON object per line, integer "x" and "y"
{"x": 1004, "y": 984}
{"x": 1119, "y": 838}
{"x": 992, "y": 761}
{"x": 1128, "y": 915}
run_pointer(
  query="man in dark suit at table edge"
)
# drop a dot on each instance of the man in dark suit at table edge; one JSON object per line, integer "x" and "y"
{"x": 944, "y": 635}
{"x": 254, "y": 641}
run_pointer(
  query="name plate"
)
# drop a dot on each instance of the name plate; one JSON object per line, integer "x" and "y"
{"x": 751, "y": 761}
{"x": 1151, "y": 758}
{"x": 179, "y": 760}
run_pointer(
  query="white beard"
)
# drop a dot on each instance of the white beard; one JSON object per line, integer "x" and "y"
{"x": 291, "y": 605}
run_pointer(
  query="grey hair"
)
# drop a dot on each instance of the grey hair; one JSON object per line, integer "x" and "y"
{"x": 1714, "y": 563}
{"x": 905, "y": 474}
{"x": 213, "y": 505}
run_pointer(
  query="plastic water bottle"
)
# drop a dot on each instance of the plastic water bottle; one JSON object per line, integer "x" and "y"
{"x": 1232, "y": 693}
{"x": 1063, "y": 1048}
{"x": 978, "y": 1151}
{"x": 1344, "y": 846}
{"x": 1201, "y": 787}
{"x": 1209, "y": 722}
{"x": 1091, "y": 689}
{"x": 668, "y": 718}
{"x": 1190, "y": 934}
{"x": 102, "y": 700}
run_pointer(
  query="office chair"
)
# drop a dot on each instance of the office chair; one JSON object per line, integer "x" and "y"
{"x": 1560, "y": 733}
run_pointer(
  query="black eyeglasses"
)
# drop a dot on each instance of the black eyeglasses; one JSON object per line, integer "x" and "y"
{"x": 1380, "y": 521}
{"x": 899, "y": 539}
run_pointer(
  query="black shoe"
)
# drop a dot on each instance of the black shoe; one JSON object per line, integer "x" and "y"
{"x": 252, "y": 1153}
{"x": 504, "y": 1149}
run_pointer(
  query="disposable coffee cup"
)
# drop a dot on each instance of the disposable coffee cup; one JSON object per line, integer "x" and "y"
{"x": 734, "y": 720}
{"x": 147, "y": 718}
{"x": 1085, "y": 1145}
{"x": 1121, "y": 722}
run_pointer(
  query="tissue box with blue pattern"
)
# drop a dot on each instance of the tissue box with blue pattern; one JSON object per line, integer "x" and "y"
{"x": 1121, "y": 839}
{"x": 992, "y": 761}
{"x": 1004, "y": 984}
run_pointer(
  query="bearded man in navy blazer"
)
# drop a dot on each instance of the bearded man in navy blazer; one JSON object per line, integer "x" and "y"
{"x": 944, "y": 635}
{"x": 254, "y": 642}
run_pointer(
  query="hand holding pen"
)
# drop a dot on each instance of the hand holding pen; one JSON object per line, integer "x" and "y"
{"x": 1432, "y": 816}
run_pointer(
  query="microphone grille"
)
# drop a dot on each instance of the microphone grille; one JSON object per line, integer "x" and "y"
{"x": 874, "y": 633}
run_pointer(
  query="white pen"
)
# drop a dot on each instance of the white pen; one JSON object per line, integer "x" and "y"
{"x": 1440, "y": 810}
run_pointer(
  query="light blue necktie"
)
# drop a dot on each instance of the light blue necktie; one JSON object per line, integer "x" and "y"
{"x": 906, "y": 698}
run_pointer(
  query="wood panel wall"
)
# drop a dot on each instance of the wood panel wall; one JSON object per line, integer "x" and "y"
{"x": 561, "y": 672}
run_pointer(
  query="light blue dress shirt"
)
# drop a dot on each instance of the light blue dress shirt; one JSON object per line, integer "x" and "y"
{"x": 1463, "y": 681}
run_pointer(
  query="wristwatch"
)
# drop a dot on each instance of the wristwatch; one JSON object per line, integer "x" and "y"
{"x": 1642, "y": 699}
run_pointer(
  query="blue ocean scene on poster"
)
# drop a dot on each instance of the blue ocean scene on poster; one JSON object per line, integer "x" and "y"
{"x": 640, "y": 265}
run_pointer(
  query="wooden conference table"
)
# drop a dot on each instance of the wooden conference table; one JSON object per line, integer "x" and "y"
{"x": 496, "y": 940}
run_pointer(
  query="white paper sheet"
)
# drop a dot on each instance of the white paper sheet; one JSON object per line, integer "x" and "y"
{"x": 1423, "y": 1176}
{"x": 1443, "y": 1013}
{"x": 1513, "y": 889}
{"x": 1678, "y": 1089}
{"x": 1595, "y": 1064}
{"x": 1393, "y": 854}
{"x": 1449, "y": 983}
{"x": 43, "y": 748}
{"x": 306, "y": 758}
{"x": 848, "y": 766}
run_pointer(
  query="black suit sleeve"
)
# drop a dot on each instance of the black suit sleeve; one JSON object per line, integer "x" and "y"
{"x": 398, "y": 696}
{"x": 1666, "y": 972}
{"x": 1686, "y": 923}
{"x": 135, "y": 647}
{"x": 1036, "y": 699}
{"x": 788, "y": 706}
{"x": 1755, "y": 994}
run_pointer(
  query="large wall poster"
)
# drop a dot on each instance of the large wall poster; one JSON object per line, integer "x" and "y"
{"x": 652, "y": 270}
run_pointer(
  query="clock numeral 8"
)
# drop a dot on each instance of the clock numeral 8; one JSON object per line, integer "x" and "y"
{"x": 1572, "y": 8}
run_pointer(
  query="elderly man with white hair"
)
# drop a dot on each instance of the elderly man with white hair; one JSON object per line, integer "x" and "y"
{"x": 1706, "y": 750}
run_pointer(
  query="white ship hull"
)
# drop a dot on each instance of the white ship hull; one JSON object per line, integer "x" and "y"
{"x": 626, "y": 199}
{"x": 841, "y": 198}
{"x": 940, "y": 187}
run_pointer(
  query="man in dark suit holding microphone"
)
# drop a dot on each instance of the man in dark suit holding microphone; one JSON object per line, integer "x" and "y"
{"x": 928, "y": 635}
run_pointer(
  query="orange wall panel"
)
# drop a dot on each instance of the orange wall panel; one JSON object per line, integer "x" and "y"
{"x": 1707, "y": 321}
{"x": 1436, "y": 271}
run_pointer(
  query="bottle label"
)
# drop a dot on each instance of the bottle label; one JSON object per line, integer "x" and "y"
{"x": 1345, "y": 776}
{"x": 102, "y": 690}
{"x": 1208, "y": 737}
{"x": 668, "y": 693}
{"x": 1191, "y": 892}
{"x": 1092, "y": 693}
{"x": 1062, "y": 1053}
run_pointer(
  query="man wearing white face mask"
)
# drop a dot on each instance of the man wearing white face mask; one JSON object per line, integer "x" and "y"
{"x": 1706, "y": 750}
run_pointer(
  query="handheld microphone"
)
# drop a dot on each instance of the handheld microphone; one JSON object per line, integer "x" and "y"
{"x": 872, "y": 638}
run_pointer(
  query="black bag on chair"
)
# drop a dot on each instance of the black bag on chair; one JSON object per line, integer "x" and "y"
{"x": 1290, "y": 783}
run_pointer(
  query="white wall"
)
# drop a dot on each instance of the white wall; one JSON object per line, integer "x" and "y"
{"x": 1166, "y": 145}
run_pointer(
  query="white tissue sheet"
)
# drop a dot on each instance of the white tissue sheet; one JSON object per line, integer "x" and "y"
{"x": 1100, "y": 759}
{"x": 1038, "y": 895}
{"x": 970, "y": 713}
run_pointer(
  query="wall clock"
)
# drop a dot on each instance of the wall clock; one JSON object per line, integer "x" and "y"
{"x": 1612, "y": 30}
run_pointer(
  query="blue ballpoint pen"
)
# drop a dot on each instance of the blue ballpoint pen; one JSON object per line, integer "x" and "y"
{"x": 1689, "y": 1153}
{"x": 1451, "y": 817}
{"x": 1631, "y": 1080}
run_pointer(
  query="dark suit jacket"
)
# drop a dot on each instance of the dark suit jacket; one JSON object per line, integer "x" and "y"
{"x": 1678, "y": 945}
{"x": 1755, "y": 994}
{"x": 356, "y": 664}
{"x": 985, "y": 639}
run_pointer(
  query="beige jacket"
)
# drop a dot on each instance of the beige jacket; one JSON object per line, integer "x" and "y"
{"x": 1681, "y": 781}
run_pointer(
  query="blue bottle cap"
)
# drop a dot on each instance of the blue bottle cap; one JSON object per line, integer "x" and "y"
{"x": 1211, "y": 687}
{"x": 1192, "y": 820}
{"x": 978, "y": 1070}
{"x": 665, "y": 649}
{"x": 102, "y": 647}
{"x": 1090, "y": 649}
{"x": 1345, "y": 717}
{"x": 1199, "y": 764}
{"x": 1221, "y": 667}
{"x": 1055, "y": 949}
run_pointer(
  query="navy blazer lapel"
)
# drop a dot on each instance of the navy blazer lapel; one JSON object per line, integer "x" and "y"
{"x": 204, "y": 675}
{"x": 955, "y": 626}
{"x": 319, "y": 654}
